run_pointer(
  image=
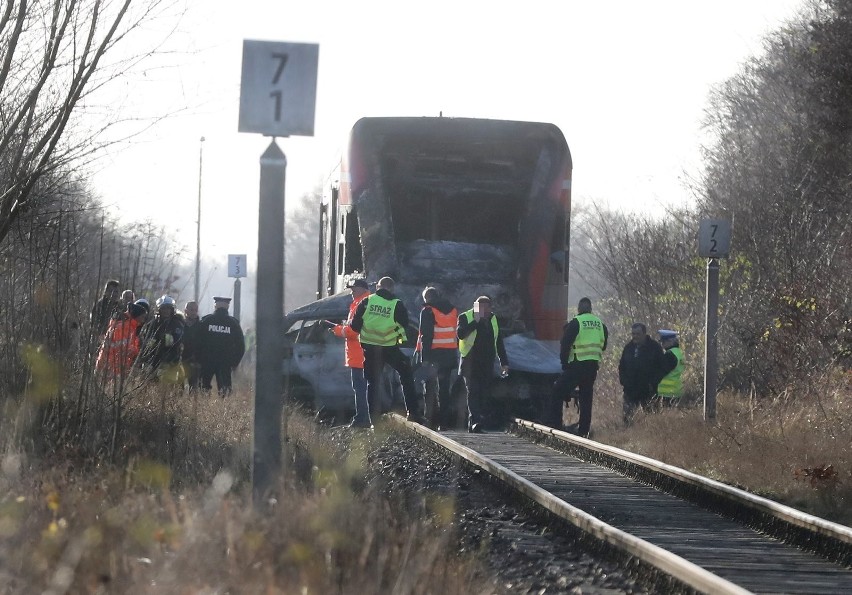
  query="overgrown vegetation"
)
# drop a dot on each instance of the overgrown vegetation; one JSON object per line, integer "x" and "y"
{"x": 172, "y": 513}
{"x": 129, "y": 486}
{"x": 780, "y": 168}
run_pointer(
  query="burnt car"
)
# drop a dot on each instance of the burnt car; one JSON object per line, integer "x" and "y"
{"x": 316, "y": 377}
{"x": 314, "y": 372}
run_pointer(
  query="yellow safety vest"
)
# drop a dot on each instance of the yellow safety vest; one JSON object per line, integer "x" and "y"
{"x": 466, "y": 344}
{"x": 590, "y": 340}
{"x": 671, "y": 386}
{"x": 380, "y": 328}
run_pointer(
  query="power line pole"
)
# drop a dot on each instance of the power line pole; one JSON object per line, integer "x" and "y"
{"x": 198, "y": 225}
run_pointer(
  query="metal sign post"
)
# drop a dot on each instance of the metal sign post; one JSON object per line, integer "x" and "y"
{"x": 277, "y": 98}
{"x": 236, "y": 269}
{"x": 711, "y": 362}
{"x": 714, "y": 242}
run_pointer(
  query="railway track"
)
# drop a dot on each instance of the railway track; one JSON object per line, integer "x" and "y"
{"x": 664, "y": 521}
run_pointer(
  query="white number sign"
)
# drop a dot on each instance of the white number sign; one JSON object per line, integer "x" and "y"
{"x": 278, "y": 89}
{"x": 714, "y": 238}
{"x": 237, "y": 265}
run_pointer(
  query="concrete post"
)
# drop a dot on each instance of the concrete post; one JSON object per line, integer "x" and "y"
{"x": 266, "y": 459}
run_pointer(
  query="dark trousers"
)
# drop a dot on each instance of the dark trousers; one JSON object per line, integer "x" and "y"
{"x": 576, "y": 374}
{"x": 375, "y": 358}
{"x": 193, "y": 374}
{"x": 478, "y": 377}
{"x": 441, "y": 408}
{"x": 223, "y": 377}
{"x": 633, "y": 400}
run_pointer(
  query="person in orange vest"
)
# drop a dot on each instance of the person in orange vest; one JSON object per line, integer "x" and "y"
{"x": 121, "y": 344}
{"x": 437, "y": 353}
{"x": 354, "y": 355}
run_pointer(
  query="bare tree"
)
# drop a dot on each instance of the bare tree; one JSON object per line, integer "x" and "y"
{"x": 780, "y": 169}
{"x": 52, "y": 57}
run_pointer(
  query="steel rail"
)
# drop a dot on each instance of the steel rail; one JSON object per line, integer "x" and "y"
{"x": 839, "y": 536}
{"x": 670, "y": 564}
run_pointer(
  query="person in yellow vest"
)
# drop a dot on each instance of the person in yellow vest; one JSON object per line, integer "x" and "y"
{"x": 670, "y": 386}
{"x": 480, "y": 342}
{"x": 583, "y": 342}
{"x": 437, "y": 351}
{"x": 380, "y": 321}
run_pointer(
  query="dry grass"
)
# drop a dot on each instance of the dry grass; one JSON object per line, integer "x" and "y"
{"x": 779, "y": 448}
{"x": 174, "y": 515}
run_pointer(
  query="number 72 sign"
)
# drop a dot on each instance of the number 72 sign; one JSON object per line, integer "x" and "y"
{"x": 278, "y": 88}
{"x": 714, "y": 238}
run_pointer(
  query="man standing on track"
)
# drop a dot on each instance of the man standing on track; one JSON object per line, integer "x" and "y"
{"x": 381, "y": 320}
{"x": 437, "y": 350}
{"x": 480, "y": 343}
{"x": 583, "y": 343}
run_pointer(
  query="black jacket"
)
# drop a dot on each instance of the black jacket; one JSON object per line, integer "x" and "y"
{"x": 161, "y": 341}
{"x": 220, "y": 340}
{"x": 191, "y": 328}
{"x": 639, "y": 366}
{"x": 482, "y": 351}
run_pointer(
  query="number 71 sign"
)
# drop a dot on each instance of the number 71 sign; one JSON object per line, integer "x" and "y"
{"x": 278, "y": 89}
{"x": 714, "y": 238}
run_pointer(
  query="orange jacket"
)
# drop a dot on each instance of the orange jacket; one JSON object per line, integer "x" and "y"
{"x": 354, "y": 351}
{"x": 120, "y": 347}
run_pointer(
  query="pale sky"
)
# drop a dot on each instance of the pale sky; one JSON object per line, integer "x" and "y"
{"x": 625, "y": 81}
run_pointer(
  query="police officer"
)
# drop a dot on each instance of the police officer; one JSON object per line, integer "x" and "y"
{"x": 670, "y": 386}
{"x": 220, "y": 346}
{"x": 380, "y": 321}
{"x": 583, "y": 342}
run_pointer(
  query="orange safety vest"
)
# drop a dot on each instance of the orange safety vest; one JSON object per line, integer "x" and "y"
{"x": 444, "y": 335}
{"x": 120, "y": 347}
{"x": 354, "y": 353}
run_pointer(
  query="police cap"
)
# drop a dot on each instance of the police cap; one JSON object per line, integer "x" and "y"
{"x": 667, "y": 334}
{"x": 226, "y": 300}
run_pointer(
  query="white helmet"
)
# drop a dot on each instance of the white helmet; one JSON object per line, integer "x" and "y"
{"x": 166, "y": 300}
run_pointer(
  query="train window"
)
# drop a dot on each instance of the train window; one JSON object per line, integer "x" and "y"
{"x": 353, "y": 259}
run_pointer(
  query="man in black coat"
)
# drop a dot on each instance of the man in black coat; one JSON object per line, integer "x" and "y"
{"x": 637, "y": 370}
{"x": 220, "y": 346}
{"x": 480, "y": 344}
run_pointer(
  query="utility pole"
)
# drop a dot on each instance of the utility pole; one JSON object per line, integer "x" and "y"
{"x": 198, "y": 225}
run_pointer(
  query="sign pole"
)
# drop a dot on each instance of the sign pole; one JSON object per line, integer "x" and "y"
{"x": 266, "y": 455}
{"x": 714, "y": 242}
{"x": 237, "y": 285}
{"x": 711, "y": 363}
{"x": 278, "y": 88}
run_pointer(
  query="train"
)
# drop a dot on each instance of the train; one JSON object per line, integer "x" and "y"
{"x": 471, "y": 206}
